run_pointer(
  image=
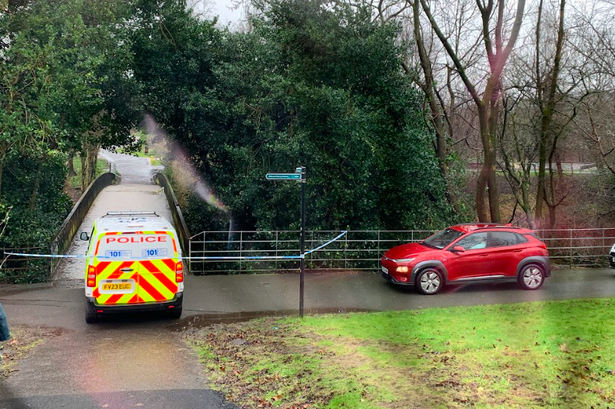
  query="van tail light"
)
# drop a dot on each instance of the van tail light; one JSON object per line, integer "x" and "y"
{"x": 179, "y": 272}
{"x": 91, "y": 276}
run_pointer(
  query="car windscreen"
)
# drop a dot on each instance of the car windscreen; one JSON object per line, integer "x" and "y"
{"x": 442, "y": 239}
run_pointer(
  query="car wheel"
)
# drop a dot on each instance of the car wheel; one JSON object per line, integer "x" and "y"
{"x": 429, "y": 281}
{"x": 531, "y": 277}
{"x": 91, "y": 316}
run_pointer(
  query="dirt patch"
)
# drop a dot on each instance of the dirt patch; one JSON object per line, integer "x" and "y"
{"x": 273, "y": 363}
{"x": 263, "y": 364}
{"x": 23, "y": 340}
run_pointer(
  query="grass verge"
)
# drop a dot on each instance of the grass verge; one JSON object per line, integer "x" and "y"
{"x": 23, "y": 341}
{"x": 547, "y": 354}
{"x": 102, "y": 166}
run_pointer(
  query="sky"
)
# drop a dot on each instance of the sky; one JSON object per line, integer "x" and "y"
{"x": 221, "y": 8}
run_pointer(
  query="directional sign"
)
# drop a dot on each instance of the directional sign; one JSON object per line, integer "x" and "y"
{"x": 283, "y": 176}
{"x": 300, "y": 176}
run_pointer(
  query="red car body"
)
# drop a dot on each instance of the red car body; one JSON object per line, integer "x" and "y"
{"x": 469, "y": 253}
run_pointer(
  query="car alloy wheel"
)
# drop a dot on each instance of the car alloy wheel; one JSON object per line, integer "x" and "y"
{"x": 532, "y": 277}
{"x": 429, "y": 281}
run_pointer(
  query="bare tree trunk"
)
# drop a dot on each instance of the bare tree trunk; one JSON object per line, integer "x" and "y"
{"x": 547, "y": 107}
{"x": 437, "y": 114}
{"x": 552, "y": 216}
{"x": 71, "y": 164}
{"x": 497, "y": 55}
{"x": 84, "y": 171}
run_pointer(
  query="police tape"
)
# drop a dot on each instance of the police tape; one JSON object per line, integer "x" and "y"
{"x": 342, "y": 234}
{"x": 43, "y": 255}
{"x": 268, "y": 257}
{"x": 300, "y": 256}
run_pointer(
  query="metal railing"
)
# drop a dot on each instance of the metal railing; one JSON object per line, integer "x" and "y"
{"x": 66, "y": 232}
{"x": 362, "y": 249}
{"x": 21, "y": 270}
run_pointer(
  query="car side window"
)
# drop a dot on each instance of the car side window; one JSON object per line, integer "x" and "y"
{"x": 520, "y": 238}
{"x": 473, "y": 241}
{"x": 503, "y": 238}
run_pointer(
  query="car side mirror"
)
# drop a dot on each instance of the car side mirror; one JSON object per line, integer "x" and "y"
{"x": 84, "y": 236}
{"x": 458, "y": 249}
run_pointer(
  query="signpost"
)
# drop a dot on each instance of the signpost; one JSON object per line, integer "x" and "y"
{"x": 283, "y": 176}
{"x": 298, "y": 176}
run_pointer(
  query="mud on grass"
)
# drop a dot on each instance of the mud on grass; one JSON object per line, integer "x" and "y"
{"x": 23, "y": 341}
{"x": 266, "y": 363}
{"x": 271, "y": 363}
{"x": 552, "y": 354}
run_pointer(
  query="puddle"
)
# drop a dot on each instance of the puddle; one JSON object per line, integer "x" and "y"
{"x": 206, "y": 320}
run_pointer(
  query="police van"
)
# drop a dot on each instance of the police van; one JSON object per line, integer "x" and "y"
{"x": 133, "y": 263}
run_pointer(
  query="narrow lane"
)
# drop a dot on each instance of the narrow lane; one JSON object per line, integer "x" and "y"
{"x": 135, "y": 191}
{"x": 132, "y": 361}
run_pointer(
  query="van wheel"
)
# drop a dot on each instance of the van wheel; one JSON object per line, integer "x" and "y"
{"x": 175, "y": 313}
{"x": 91, "y": 316}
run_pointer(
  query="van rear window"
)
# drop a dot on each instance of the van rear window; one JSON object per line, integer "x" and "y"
{"x": 131, "y": 246}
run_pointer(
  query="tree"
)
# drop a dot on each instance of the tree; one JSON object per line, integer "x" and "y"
{"x": 487, "y": 104}
{"x": 312, "y": 85}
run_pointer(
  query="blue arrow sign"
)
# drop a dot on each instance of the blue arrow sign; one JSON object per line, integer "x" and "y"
{"x": 283, "y": 176}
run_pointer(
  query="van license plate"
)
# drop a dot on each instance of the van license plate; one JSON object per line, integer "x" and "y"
{"x": 385, "y": 270}
{"x": 120, "y": 286}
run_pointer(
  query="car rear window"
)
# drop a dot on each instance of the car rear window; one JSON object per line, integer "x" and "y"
{"x": 505, "y": 238}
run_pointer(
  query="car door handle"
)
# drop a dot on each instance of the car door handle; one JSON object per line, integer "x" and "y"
{"x": 484, "y": 255}
{"x": 126, "y": 270}
{"x": 517, "y": 251}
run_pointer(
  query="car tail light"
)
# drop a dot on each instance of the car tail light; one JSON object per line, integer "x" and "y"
{"x": 91, "y": 276}
{"x": 179, "y": 272}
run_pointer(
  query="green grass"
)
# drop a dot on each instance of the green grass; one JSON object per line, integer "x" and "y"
{"x": 102, "y": 166}
{"x": 556, "y": 354}
{"x": 154, "y": 160}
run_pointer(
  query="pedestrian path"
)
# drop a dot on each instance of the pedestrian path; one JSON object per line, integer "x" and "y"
{"x": 135, "y": 192}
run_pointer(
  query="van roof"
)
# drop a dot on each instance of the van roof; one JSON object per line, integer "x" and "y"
{"x": 132, "y": 221}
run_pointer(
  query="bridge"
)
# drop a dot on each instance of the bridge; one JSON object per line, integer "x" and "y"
{"x": 134, "y": 192}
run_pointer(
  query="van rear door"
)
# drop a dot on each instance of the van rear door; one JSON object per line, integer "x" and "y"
{"x": 158, "y": 256}
{"x": 117, "y": 270}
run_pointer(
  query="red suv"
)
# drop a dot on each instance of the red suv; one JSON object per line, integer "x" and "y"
{"x": 469, "y": 253}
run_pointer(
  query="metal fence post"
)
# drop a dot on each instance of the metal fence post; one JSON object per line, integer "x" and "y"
{"x": 377, "y": 255}
{"x": 346, "y": 250}
{"x": 570, "y": 246}
{"x": 240, "y": 249}
{"x": 603, "y": 239}
{"x": 277, "y": 238}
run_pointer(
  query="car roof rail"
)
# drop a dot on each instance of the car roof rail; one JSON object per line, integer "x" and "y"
{"x": 130, "y": 213}
{"x": 497, "y": 226}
